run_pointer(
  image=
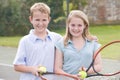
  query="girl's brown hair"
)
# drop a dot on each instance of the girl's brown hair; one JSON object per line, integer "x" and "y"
{"x": 81, "y": 15}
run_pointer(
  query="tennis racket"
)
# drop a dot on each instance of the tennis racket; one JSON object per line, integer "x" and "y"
{"x": 54, "y": 76}
{"x": 110, "y": 54}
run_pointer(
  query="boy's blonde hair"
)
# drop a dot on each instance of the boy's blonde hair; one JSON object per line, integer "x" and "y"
{"x": 81, "y": 15}
{"x": 42, "y": 7}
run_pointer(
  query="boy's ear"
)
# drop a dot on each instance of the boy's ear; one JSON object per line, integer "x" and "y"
{"x": 30, "y": 18}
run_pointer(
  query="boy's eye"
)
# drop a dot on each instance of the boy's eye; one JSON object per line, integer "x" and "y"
{"x": 72, "y": 25}
{"x": 44, "y": 20}
{"x": 37, "y": 19}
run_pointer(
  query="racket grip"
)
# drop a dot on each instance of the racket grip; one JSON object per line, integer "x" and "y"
{"x": 92, "y": 75}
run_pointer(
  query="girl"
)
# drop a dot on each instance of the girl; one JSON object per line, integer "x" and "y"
{"x": 77, "y": 47}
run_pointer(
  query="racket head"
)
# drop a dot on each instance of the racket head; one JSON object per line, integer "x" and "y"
{"x": 110, "y": 54}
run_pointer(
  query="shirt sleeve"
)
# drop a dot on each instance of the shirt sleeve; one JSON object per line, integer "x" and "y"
{"x": 96, "y": 46}
{"x": 20, "y": 55}
{"x": 59, "y": 45}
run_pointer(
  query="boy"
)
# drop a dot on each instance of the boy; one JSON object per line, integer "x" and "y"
{"x": 37, "y": 48}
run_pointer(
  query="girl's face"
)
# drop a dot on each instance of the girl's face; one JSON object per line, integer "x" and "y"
{"x": 76, "y": 27}
{"x": 40, "y": 21}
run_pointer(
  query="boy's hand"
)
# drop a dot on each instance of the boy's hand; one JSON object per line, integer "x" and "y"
{"x": 92, "y": 38}
{"x": 34, "y": 70}
{"x": 43, "y": 78}
{"x": 42, "y": 69}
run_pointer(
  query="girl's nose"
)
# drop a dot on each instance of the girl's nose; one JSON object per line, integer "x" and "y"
{"x": 76, "y": 27}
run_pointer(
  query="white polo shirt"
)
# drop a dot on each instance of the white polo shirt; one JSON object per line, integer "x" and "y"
{"x": 33, "y": 51}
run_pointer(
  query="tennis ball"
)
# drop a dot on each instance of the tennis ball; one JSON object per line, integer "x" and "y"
{"x": 82, "y": 74}
{"x": 42, "y": 69}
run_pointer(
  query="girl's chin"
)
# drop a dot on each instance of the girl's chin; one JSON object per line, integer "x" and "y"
{"x": 76, "y": 35}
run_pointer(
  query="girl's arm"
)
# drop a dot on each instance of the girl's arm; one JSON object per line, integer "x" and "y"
{"x": 59, "y": 64}
{"x": 97, "y": 64}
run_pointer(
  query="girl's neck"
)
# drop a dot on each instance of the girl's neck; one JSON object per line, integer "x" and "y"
{"x": 78, "y": 43}
{"x": 74, "y": 39}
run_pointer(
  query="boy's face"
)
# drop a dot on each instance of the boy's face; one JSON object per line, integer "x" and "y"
{"x": 39, "y": 21}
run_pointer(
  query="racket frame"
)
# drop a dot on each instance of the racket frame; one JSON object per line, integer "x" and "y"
{"x": 94, "y": 57}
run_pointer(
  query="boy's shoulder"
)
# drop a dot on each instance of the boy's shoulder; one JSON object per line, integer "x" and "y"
{"x": 54, "y": 33}
{"x": 24, "y": 38}
{"x": 54, "y": 36}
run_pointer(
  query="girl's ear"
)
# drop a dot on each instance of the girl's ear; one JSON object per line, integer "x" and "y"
{"x": 49, "y": 19}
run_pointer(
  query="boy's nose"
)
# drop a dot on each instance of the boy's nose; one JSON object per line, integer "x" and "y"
{"x": 40, "y": 23}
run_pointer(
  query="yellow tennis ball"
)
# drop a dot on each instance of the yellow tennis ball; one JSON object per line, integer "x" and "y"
{"x": 42, "y": 69}
{"x": 82, "y": 74}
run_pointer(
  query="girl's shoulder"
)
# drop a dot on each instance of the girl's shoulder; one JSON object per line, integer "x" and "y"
{"x": 94, "y": 44}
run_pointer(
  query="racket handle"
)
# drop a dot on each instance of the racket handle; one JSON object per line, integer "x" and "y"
{"x": 92, "y": 75}
{"x": 48, "y": 73}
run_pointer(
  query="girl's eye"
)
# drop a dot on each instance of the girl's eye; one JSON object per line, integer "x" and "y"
{"x": 79, "y": 25}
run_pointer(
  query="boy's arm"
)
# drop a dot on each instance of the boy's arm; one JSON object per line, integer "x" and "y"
{"x": 27, "y": 69}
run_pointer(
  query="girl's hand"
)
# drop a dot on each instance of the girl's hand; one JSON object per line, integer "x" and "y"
{"x": 76, "y": 77}
{"x": 82, "y": 73}
{"x": 82, "y": 69}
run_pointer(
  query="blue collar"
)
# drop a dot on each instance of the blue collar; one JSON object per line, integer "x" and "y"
{"x": 34, "y": 38}
{"x": 70, "y": 41}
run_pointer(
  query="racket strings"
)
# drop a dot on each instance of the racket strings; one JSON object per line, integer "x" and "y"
{"x": 90, "y": 75}
{"x": 94, "y": 57}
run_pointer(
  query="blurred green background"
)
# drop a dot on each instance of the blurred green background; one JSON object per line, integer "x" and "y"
{"x": 14, "y": 22}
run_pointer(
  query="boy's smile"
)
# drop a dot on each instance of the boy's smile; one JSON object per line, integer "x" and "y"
{"x": 40, "y": 21}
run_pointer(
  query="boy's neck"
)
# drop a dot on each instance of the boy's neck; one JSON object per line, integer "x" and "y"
{"x": 41, "y": 35}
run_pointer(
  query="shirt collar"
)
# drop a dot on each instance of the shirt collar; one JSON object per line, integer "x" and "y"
{"x": 34, "y": 38}
{"x": 70, "y": 41}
